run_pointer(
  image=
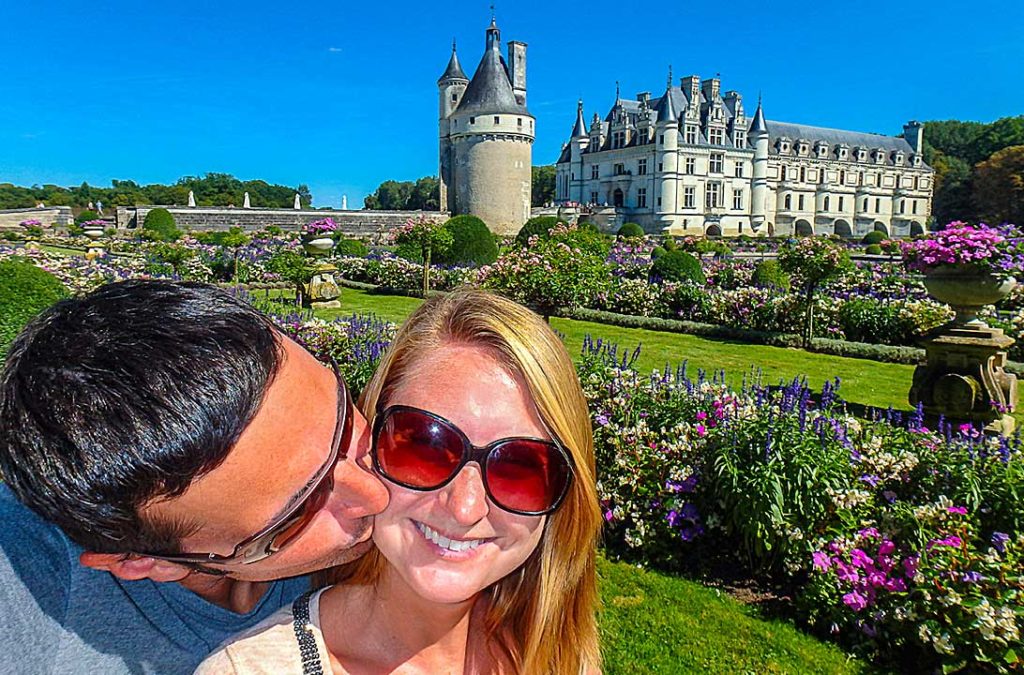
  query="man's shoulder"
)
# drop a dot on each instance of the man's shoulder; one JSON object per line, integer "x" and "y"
{"x": 31, "y": 548}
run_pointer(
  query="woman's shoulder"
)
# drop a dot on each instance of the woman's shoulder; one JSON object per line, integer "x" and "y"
{"x": 267, "y": 648}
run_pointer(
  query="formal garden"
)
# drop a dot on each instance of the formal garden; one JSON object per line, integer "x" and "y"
{"x": 749, "y": 401}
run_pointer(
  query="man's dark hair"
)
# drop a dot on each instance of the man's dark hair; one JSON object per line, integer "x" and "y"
{"x": 128, "y": 394}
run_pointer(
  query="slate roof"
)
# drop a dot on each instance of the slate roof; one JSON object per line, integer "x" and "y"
{"x": 490, "y": 90}
{"x": 666, "y": 109}
{"x": 759, "y": 123}
{"x": 579, "y": 130}
{"x": 837, "y": 136}
{"x": 454, "y": 70}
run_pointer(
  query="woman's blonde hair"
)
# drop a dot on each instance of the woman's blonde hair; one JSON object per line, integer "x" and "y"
{"x": 542, "y": 616}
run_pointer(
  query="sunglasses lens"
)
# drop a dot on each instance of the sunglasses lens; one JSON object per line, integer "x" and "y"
{"x": 294, "y": 526}
{"x": 527, "y": 476}
{"x": 416, "y": 450}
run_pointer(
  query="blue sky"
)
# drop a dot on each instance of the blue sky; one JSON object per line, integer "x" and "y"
{"x": 342, "y": 96}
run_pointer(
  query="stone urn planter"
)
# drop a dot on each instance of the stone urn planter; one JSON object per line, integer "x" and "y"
{"x": 967, "y": 291}
{"x": 93, "y": 232}
{"x": 317, "y": 244}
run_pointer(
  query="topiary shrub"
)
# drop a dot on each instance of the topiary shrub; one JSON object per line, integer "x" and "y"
{"x": 873, "y": 237}
{"x": 352, "y": 248}
{"x": 657, "y": 251}
{"x": 678, "y": 266}
{"x": 630, "y": 230}
{"x": 472, "y": 242}
{"x": 769, "y": 274}
{"x": 25, "y": 290}
{"x": 539, "y": 226}
{"x": 873, "y": 249}
{"x": 159, "y": 226}
{"x": 409, "y": 251}
{"x": 86, "y": 215}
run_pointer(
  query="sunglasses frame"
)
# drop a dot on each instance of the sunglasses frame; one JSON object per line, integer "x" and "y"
{"x": 470, "y": 453}
{"x": 261, "y": 545}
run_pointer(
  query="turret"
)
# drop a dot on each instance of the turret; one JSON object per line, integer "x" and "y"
{"x": 578, "y": 143}
{"x": 450, "y": 88}
{"x": 758, "y": 135}
{"x": 666, "y": 133}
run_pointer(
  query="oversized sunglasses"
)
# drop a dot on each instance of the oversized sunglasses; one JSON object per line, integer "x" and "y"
{"x": 297, "y": 516}
{"x": 419, "y": 450}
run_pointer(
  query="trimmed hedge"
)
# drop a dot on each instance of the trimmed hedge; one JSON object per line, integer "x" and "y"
{"x": 350, "y": 247}
{"x": 873, "y": 249}
{"x": 873, "y": 237}
{"x": 472, "y": 242}
{"x": 159, "y": 225}
{"x": 769, "y": 274}
{"x": 538, "y": 225}
{"x": 25, "y": 291}
{"x": 678, "y": 266}
{"x": 630, "y": 230}
{"x": 86, "y": 215}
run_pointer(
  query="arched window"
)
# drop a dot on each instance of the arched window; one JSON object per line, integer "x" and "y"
{"x": 789, "y": 202}
{"x": 826, "y": 203}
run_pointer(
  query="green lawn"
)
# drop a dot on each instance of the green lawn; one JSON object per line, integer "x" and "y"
{"x": 652, "y": 623}
{"x": 868, "y": 382}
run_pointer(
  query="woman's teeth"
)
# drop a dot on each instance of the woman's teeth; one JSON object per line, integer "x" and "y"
{"x": 445, "y": 542}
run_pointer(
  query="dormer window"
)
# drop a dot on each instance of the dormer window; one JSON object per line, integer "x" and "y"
{"x": 716, "y": 136}
{"x": 822, "y": 150}
{"x": 843, "y": 152}
{"x": 740, "y": 139}
{"x": 783, "y": 145}
{"x": 497, "y": 120}
{"x": 862, "y": 154}
{"x": 878, "y": 156}
{"x": 915, "y": 159}
{"x": 472, "y": 120}
{"x": 691, "y": 134}
{"x": 897, "y": 158}
{"x": 802, "y": 147}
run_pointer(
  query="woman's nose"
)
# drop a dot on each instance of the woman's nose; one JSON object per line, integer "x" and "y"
{"x": 465, "y": 497}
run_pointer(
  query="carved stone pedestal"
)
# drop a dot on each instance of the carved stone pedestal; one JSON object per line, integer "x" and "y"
{"x": 963, "y": 377}
{"x": 322, "y": 291}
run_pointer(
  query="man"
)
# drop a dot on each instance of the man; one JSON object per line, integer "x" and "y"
{"x": 166, "y": 455}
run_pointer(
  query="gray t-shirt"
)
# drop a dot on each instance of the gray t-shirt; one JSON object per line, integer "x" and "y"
{"x": 57, "y": 616}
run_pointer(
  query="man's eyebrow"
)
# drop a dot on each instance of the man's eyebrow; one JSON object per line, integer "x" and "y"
{"x": 299, "y": 495}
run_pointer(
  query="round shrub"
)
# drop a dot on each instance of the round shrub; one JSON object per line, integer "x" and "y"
{"x": 873, "y": 237}
{"x": 538, "y": 225}
{"x": 630, "y": 230}
{"x": 159, "y": 224}
{"x": 25, "y": 290}
{"x": 86, "y": 215}
{"x": 769, "y": 274}
{"x": 587, "y": 226}
{"x": 472, "y": 242}
{"x": 670, "y": 244}
{"x": 873, "y": 249}
{"x": 678, "y": 266}
{"x": 352, "y": 248}
{"x": 410, "y": 251}
{"x": 657, "y": 251}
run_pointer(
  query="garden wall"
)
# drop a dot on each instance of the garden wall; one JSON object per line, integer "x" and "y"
{"x": 353, "y": 223}
{"x": 10, "y": 218}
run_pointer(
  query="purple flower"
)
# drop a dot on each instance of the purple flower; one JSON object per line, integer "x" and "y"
{"x": 602, "y": 420}
{"x": 999, "y": 540}
{"x": 951, "y": 541}
{"x": 859, "y": 558}
{"x": 972, "y": 577}
{"x": 846, "y": 573}
{"x": 608, "y": 516}
{"x": 869, "y": 533}
{"x": 855, "y": 601}
{"x": 822, "y": 561}
{"x": 962, "y": 510}
{"x": 910, "y": 567}
{"x": 895, "y": 585}
{"x": 890, "y": 496}
{"x": 686, "y": 485}
{"x": 886, "y": 547}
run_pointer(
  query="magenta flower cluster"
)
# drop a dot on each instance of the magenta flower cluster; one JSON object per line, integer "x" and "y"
{"x": 321, "y": 226}
{"x": 996, "y": 249}
{"x": 871, "y": 567}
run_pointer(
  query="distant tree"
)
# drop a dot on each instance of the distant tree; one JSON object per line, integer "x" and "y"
{"x": 159, "y": 226}
{"x": 953, "y": 187}
{"x": 999, "y": 186}
{"x": 472, "y": 242}
{"x": 1003, "y": 133}
{"x": 392, "y": 195}
{"x": 234, "y": 239}
{"x": 426, "y": 195}
{"x": 543, "y": 188}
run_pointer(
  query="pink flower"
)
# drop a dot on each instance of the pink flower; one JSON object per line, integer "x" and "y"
{"x": 859, "y": 558}
{"x": 910, "y": 567}
{"x": 886, "y": 548}
{"x": 961, "y": 510}
{"x": 855, "y": 601}
{"x": 702, "y": 415}
{"x": 701, "y": 430}
{"x": 821, "y": 560}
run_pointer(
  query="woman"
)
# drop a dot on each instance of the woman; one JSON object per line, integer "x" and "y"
{"x": 485, "y": 557}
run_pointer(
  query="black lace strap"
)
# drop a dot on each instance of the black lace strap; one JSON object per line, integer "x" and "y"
{"x": 303, "y": 628}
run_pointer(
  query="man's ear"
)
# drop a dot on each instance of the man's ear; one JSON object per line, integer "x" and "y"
{"x": 134, "y": 567}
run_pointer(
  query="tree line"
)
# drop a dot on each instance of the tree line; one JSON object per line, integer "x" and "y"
{"x": 979, "y": 169}
{"x": 424, "y": 194}
{"x": 213, "y": 189}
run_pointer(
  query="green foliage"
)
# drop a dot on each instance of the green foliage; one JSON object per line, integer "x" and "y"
{"x": 678, "y": 266}
{"x": 213, "y": 189}
{"x": 291, "y": 265}
{"x": 542, "y": 190}
{"x": 273, "y": 231}
{"x": 630, "y": 230}
{"x": 670, "y": 243}
{"x": 999, "y": 186}
{"x": 811, "y": 261}
{"x": 873, "y": 237}
{"x": 344, "y": 246}
{"x": 538, "y": 225}
{"x": 34, "y": 231}
{"x": 75, "y": 230}
{"x": 25, "y": 290}
{"x": 409, "y": 251}
{"x": 85, "y": 216}
{"x": 873, "y": 249}
{"x": 431, "y": 237}
{"x": 657, "y": 251}
{"x": 769, "y": 274}
{"x": 472, "y": 242}
{"x": 690, "y": 301}
{"x": 421, "y": 195}
{"x": 173, "y": 254}
{"x": 159, "y": 226}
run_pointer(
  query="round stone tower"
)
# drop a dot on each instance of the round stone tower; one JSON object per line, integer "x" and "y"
{"x": 490, "y": 140}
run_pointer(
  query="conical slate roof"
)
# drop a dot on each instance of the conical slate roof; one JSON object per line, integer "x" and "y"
{"x": 580, "y": 130}
{"x": 454, "y": 69}
{"x": 666, "y": 108}
{"x": 758, "y": 125}
{"x": 490, "y": 90}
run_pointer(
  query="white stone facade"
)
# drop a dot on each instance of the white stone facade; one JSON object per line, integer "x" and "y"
{"x": 694, "y": 162}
